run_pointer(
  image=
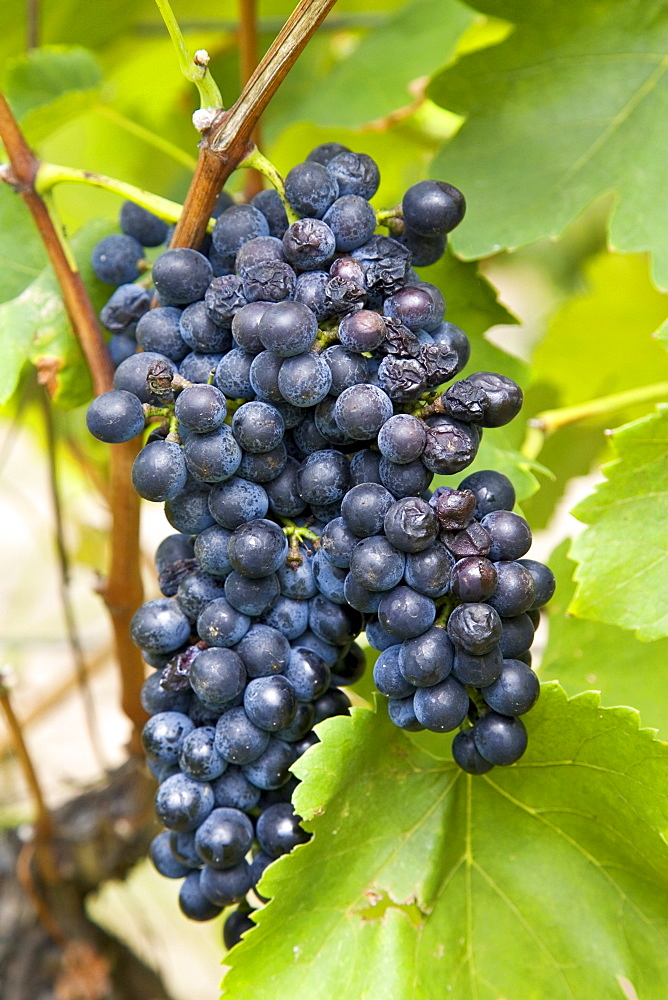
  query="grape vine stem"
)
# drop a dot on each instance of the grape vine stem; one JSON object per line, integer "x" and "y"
{"x": 229, "y": 139}
{"x": 123, "y": 590}
{"x": 248, "y": 60}
{"x": 549, "y": 421}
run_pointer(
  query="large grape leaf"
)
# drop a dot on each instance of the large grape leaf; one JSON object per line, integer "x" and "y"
{"x": 573, "y": 104}
{"x": 601, "y": 341}
{"x": 34, "y": 327}
{"x": 544, "y": 881}
{"x": 374, "y": 79}
{"x": 49, "y": 86}
{"x": 622, "y": 574}
{"x": 583, "y": 654}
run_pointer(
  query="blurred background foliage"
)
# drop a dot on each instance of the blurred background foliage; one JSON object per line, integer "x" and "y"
{"x": 428, "y": 88}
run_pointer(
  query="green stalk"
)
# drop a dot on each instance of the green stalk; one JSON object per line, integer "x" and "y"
{"x": 257, "y": 161}
{"x": 147, "y": 136}
{"x": 194, "y": 68}
{"x": 50, "y": 174}
{"x": 549, "y": 421}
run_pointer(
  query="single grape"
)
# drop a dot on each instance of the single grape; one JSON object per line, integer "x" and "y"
{"x": 264, "y": 651}
{"x": 201, "y": 408}
{"x": 212, "y": 457}
{"x": 159, "y": 626}
{"x": 278, "y": 830}
{"x": 411, "y": 525}
{"x": 195, "y": 590}
{"x": 324, "y": 477}
{"x": 304, "y": 380}
{"x": 270, "y": 702}
{"x": 237, "y": 501}
{"x": 288, "y": 616}
{"x": 307, "y": 672}
{"x": 163, "y": 859}
{"x": 182, "y": 803}
{"x": 543, "y": 579}
{"x": 355, "y": 173}
{"x": 269, "y": 203}
{"x": 311, "y": 189}
{"x": 181, "y": 276}
{"x": 116, "y": 258}
{"x": 251, "y": 597}
{"x": 405, "y": 613}
{"x": 478, "y": 671}
{"x": 499, "y": 739}
{"x": 258, "y": 548}
{"x": 427, "y": 659}
{"x": 308, "y": 244}
{"x": 473, "y": 579}
{"x": 132, "y": 375}
{"x": 364, "y": 508}
{"x": 199, "y": 758}
{"x": 376, "y": 565}
{"x": 222, "y": 625}
{"x": 429, "y": 571}
{"x": 287, "y": 328}
{"x": 234, "y": 791}
{"x": 189, "y": 510}
{"x": 199, "y": 332}
{"x": 217, "y": 676}
{"x": 115, "y": 417}
{"x": 433, "y": 208}
{"x": 402, "y": 438}
{"x": 159, "y": 471}
{"x": 163, "y": 735}
{"x": 352, "y": 220}
{"x": 159, "y": 330}
{"x": 405, "y": 481}
{"x": 441, "y": 707}
{"x": 124, "y": 307}
{"x": 192, "y": 901}
{"x": 224, "y": 887}
{"x": 233, "y": 374}
{"x": 238, "y": 740}
{"x": 402, "y": 713}
{"x": 475, "y": 628}
{"x": 362, "y": 410}
{"x": 271, "y": 769}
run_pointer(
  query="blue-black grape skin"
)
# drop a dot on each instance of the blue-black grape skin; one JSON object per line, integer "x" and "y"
{"x": 222, "y": 887}
{"x": 116, "y": 259}
{"x": 387, "y": 676}
{"x": 115, "y": 416}
{"x": 192, "y": 901}
{"x": 515, "y": 589}
{"x": 163, "y": 859}
{"x": 218, "y": 676}
{"x": 238, "y": 740}
{"x": 163, "y": 736}
{"x": 276, "y": 630}
{"x": 160, "y": 330}
{"x": 477, "y": 671}
{"x": 224, "y": 838}
{"x": 270, "y": 702}
{"x": 159, "y": 471}
{"x": 159, "y": 626}
{"x": 515, "y": 691}
{"x": 181, "y": 276}
{"x": 501, "y": 740}
{"x": 271, "y": 770}
{"x": 363, "y": 509}
{"x": 198, "y": 757}
{"x": 264, "y": 650}
{"x": 441, "y": 707}
{"x": 278, "y": 830}
{"x": 376, "y": 564}
{"x": 405, "y": 614}
{"x": 307, "y": 672}
{"x": 251, "y": 597}
{"x": 427, "y": 659}
{"x": 195, "y": 590}
{"x": 182, "y": 803}
{"x": 466, "y": 755}
{"x": 143, "y": 225}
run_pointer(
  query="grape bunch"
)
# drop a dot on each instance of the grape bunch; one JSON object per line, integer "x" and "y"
{"x": 293, "y": 373}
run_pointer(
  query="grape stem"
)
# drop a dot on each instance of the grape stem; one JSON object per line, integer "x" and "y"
{"x": 550, "y": 421}
{"x": 384, "y": 216}
{"x": 122, "y": 591}
{"x": 44, "y": 823}
{"x": 257, "y": 161}
{"x": 228, "y": 141}
{"x": 50, "y": 174}
{"x": 324, "y": 339}
{"x": 194, "y": 68}
{"x": 295, "y": 536}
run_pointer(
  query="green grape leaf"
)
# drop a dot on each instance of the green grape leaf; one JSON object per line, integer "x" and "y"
{"x": 375, "y": 78}
{"x": 583, "y": 654}
{"x": 22, "y": 255}
{"x": 622, "y": 557}
{"x": 600, "y": 341}
{"x": 548, "y": 879}
{"x": 572, "y": 105}
{"x": 49, "y": 86}
{"x": 35, "y": 327}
